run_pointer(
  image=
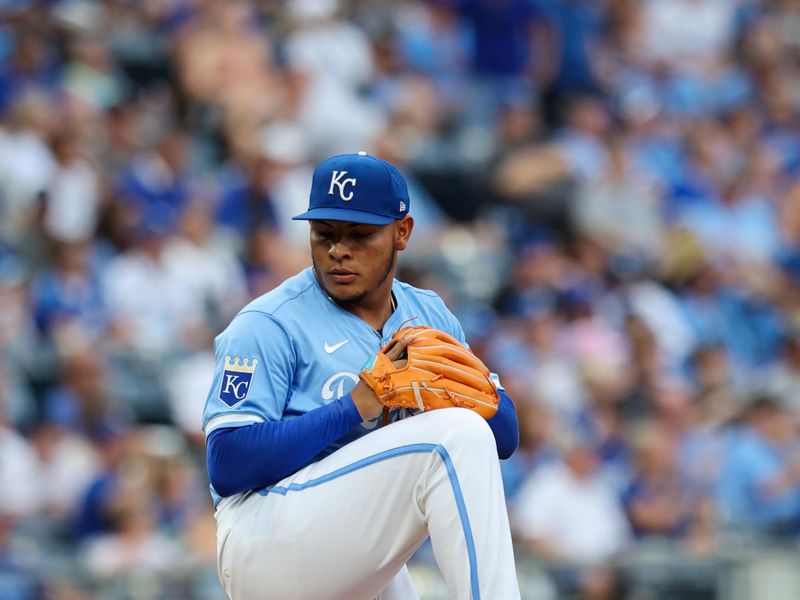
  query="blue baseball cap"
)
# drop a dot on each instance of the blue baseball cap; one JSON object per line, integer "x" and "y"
{"x": 358, "y": 188}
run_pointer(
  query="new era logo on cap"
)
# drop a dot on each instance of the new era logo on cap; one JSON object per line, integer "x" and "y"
{"x": 358, "y": 188}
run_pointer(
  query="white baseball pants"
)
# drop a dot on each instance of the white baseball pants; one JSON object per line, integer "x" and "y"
{"x": 344, "y": 527}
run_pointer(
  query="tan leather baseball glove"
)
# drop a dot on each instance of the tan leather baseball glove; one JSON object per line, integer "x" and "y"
{"x": 439, "y": 372}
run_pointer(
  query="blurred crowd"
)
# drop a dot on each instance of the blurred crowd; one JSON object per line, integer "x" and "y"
{"x": 606, "y": 193}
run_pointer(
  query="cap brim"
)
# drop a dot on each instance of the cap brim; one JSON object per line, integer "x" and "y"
{"x": 343, "y": 214}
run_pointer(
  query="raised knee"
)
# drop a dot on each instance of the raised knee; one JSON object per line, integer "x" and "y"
{"x": 464, "y": 425}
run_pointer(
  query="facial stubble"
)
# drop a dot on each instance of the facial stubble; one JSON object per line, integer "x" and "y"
{"x": 357, "y": 298}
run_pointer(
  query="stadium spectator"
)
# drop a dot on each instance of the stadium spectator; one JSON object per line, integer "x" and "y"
{"x": 68, "y": 297}
{"x": 65, "y": 464}
{"x": 156, "y": 181}
{"x": 73, "y": 196}
{"x": 759, "y": 487}
{"x": 567, "y": 515}
{"x": 114, "y": 446}
{"x": 19, "y": 580}
{"x": 503, "y": 53}
{"x": 659, "y": 502}
{"x": 22, "y": 499}
{"x": 783, "y": 378}
{"x": 331, "y": 59}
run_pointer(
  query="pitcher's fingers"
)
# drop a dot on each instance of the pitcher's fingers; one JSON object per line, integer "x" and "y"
{"x": 399, "y": 348}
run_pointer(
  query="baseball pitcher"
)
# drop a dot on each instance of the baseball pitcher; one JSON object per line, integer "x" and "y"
{"x": 348, "y": 421}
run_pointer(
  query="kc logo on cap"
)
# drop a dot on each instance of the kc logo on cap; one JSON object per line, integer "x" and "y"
{"x": 336, "y": 180}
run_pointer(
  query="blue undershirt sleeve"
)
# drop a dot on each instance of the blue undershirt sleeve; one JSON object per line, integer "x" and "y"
{"x": 254, "y": 456}
{"x": 505, "y": 427}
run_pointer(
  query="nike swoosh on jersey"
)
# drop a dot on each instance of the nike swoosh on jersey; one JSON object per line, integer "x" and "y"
{"x": 335, "y": 347}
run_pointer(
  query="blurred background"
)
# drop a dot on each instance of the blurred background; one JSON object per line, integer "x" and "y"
{"x": 606, "y": 193}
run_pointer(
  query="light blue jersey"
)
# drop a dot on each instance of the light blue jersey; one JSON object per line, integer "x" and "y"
{"x": 294, "y": 349}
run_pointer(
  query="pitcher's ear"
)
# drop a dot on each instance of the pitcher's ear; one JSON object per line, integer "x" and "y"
{"x": 403, "y": 229}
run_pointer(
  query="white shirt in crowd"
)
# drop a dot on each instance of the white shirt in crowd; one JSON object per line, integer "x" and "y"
{"x": 145, "y": 295}
{"x": 65, "y": 473}
{"x": 579, "y": 518}
{"x": 111, "y": 554}
{"x": 73, "y": 203}
{"x": 21, "y": 494}
{"x": 336, "y": 59}
{"x": 205, "y": 273}
{"x": 688, "y": 34}
{"x": 26, "y": 168}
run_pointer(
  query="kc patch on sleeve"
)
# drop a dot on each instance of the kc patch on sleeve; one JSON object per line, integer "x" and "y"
{"x": 236, "y": 379}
